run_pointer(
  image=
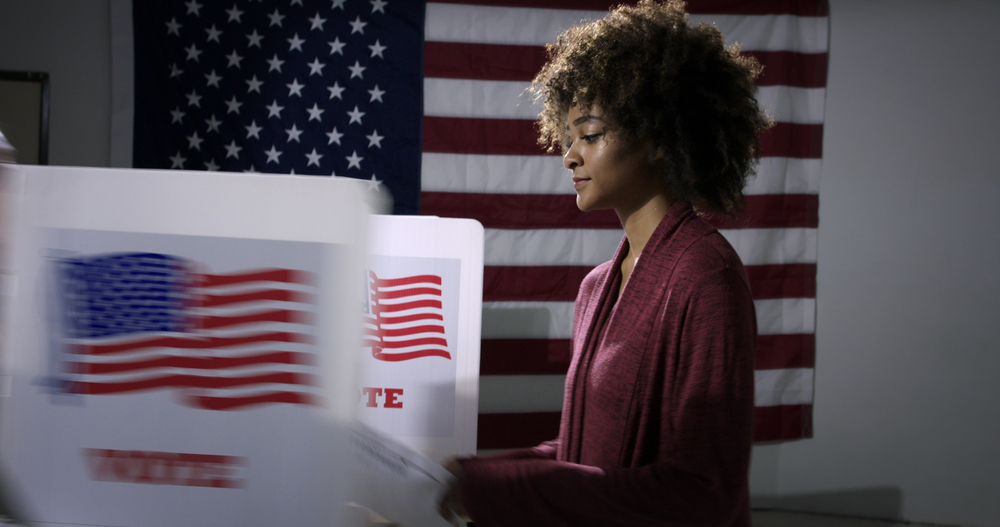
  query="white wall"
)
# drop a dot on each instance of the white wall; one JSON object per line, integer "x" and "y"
{"x": 907, "y": 410}
{"x": 907, "y": 414}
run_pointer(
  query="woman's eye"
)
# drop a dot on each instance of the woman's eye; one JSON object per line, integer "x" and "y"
{"x": 591, "y": 137}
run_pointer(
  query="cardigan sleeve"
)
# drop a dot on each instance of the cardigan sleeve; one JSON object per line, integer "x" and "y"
{"x": 699, "y": 474}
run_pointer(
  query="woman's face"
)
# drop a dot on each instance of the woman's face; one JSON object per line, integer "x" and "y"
{"x": 609, "y": 171}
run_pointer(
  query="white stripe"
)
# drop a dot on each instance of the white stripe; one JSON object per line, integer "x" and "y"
{"x": 520, "y": 393}
{"x": 526, "y": 319}
{"x": 508, "y": 100}
{"x": 537, "y": 27}
{"x": 778, "y": 387}
{"x": 787, "y": 104}
{"x": 773, "y": 246}
{"x": 554, "y": 320}
{"x": 785, "y": 316}
{"x": 546, "y": 175}
{"x": 544, "y": 393}
{"x": 595, "y": 246}
{"x": 478, "y": 99}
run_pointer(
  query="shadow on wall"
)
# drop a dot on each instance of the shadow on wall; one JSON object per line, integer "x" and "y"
{"x": 871, "y": 502}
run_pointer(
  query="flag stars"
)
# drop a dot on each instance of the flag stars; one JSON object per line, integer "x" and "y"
{"x": 177, "y": 161}
{"x": 213, "y": 79}
{"x": 317, "y": 22}
{"x": 358, "y": 26}
{"x": 211, "y": 166}
{"x": 356, "y": 70}
{"x": 194, "y": 141}
{"x": 316, "y": 68}
{"x": 379, "y": 6}
{"x": 375, "y": 184}
{"x": 232, "y": 150}
{"x": 213, "y": 124}
{"x": 335, "y": 91}
{"x": 377, "y": 49}
{"x": 334, "y": 136}
{"x": 234, "y": 59}
{"x": 276, "y": 18}
{"x": 315, "y": 112}
{"x": 193, "y": 7}
{"x": 274, "y": 110}
{"x": 254, "y": 84}
{"x": 295, "y": 88}
{"x": 213, "y": 34}
{"x": 233, "y": 106}
{"x": 173, "y": 28}
{"x": 295, "y": 43}
{"x": 375, "y": 140}
{"x": 338, "y": 3}
{"x": 253, "y": 130}
{"x": 355, "y": 115}
{"x": 337, "y": 46}
{"x": 254, "y": 39}
{"x": 313, "y": 158}
{"x": 175, "y": 71}
{"x": 234, "y": 14}
{"x": 176, "y": 115}
{"x": 272, "y": 155}
{"x": 275, "y": 64}
{"x": 193, "y": 99}
{"x": 376, "y": 94}
{"x": 297, "y": 2}
{"x": 354, "y": 161}
{"x": 293, "y": 134}
{"x": 193, "y": 53}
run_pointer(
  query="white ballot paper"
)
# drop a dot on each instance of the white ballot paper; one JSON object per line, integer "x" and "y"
{"x": 395, "y": 482}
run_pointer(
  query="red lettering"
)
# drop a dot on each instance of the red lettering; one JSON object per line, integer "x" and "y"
{"x": 390, "y": 398}
{"x": 163, "y": 468}
{"x": 371, "y": 393}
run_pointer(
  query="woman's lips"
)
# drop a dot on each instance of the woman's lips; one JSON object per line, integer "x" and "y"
{"x": 578, "y": 182}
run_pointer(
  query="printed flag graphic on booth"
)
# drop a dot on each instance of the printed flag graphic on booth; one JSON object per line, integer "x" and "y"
{"x": 140, "y": 322}
{"x": 425, "y": 100}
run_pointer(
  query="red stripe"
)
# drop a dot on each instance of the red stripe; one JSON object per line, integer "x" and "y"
{"x": 392, "y": 308}
{"x": 262, "y": 275}
{"x": 782, "y": 281}
{"x": 501, "y": 431}
{"x": 560, "y": 283}
{"x": 735, "y": 7}
{"x": 553, "y": 211}
{"x": 390, "y": 319}
{"x": 774, "y": 423}
{"x": 429, "y": 341}
{"x": 411, "y": 331}
{"x": 524, "y": 356}
{"x": 552, "y": 356}
{"x": 409, "y": 355}
{"x": 403, "y": 293}
{"x": 775, "y": 352}
{"x": 189, "y": 343}
{"x": 409, "y": 280}
{"x": 789, "y": 68}
{"x": 280, "y": 295}
{"x": 458, "y": 135}
{"x": 202, "y": 363}
{"x": 502, "y": 62}
{"x": 516, "y": 430}
{"x": 233, "y": 403}
{"x": 191, "y": 381}
{"x": 278, "y": 315}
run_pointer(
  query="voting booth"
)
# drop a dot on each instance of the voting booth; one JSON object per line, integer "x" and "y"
{"x": 190, "y": 348}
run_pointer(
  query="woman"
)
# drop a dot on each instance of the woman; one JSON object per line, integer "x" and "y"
{"x": 656, "y": 120}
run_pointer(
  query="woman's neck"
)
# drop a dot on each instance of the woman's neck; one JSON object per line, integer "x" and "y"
{"x": 639, "y": 226}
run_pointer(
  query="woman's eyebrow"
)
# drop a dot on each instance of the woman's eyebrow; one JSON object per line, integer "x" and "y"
{"x": 585, "y": 118}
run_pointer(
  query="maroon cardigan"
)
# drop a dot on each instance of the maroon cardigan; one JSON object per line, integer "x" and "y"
{"x": 656, "y": 422}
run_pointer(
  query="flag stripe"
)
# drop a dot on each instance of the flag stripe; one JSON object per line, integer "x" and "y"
{"x": 407, "y": 280}
{"x": 202, "y": 363}
{"x": 192, "y": 381}
{"x": 290, "y": 276}
{"x": 784, "y": 386}
{"x": 742, "y": 7}
{"x": 552, "y": 356}
{"x": 277, "y": 315}
{"x": 189, "y": 342}
{"x": 280, "y": 295}
{"x": 232, "y": 403}
{"x": 459, "y": 135}
{"x": 519, "y": 430}
{"x": 595, "y": 246}
{"x": 498, "y": 62}
{"x": 405, "y": 293}
{"x": 393, "y": 308}
{"x": 561, "y": 282}
{"x": 531, "y": 211}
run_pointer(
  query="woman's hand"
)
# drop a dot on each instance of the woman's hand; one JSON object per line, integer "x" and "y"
{"x": 451, "y": 507}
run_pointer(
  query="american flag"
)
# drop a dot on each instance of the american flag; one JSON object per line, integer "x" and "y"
{"x": 138, "y": 322}
{"x": 405, "y": 319}
{"x": 476, "y": 157}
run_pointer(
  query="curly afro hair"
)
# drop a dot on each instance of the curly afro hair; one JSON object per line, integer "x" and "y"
{"x": 661, "y": 81}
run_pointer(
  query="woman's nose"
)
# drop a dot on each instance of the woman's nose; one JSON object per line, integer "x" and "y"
{"x": 571, "y": 159}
